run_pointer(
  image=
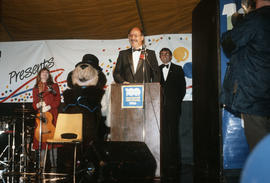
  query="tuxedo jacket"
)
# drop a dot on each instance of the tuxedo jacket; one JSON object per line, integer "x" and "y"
{"x": 124, "y": 69}
{"x": 174, "y": 88}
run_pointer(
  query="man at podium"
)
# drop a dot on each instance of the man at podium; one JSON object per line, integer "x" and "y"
{"x": 136, "y": 64}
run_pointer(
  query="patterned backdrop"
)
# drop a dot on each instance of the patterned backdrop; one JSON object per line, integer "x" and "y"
{"x": 21, "y": 61}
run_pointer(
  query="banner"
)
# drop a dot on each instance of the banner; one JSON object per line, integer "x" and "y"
{"x": 235, "y": 148}
{"x": 21, "y": 61}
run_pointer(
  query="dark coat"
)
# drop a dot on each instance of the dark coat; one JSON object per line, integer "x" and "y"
{"x": 246, "y": 86}
{"x": 124, "y": 70}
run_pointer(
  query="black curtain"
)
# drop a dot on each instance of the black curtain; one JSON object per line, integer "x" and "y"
{"x": 206, "y": 86}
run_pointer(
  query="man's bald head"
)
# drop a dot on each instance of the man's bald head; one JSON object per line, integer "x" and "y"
{"x": 136, "y": 28}
{"x": 136, "y": 37}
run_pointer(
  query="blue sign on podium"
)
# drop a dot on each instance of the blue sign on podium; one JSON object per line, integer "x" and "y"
{"x": 132, "y": 96}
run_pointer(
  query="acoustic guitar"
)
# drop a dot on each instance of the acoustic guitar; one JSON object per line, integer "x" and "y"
{"x": 44, "y": 119}
{"x": 47, "y": 128}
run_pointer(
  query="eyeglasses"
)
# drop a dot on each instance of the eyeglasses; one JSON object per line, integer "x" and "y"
{"x": 164, "y": 54}
{"x": 134, "y": 35}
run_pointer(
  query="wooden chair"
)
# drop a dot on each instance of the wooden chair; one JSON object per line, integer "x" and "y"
{"x": 68, "y": 131}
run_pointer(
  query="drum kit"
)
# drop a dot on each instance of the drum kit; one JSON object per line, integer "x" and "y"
{"x": 18, "y": 162}
{"x": 16, "y": 133}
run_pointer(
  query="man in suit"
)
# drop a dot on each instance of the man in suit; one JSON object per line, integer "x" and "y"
{"x": 136, "y": 64}
{"x": 174, "y": 89}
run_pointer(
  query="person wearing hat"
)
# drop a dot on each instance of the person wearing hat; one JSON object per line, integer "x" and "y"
{"x": 86, "y": 88}
{"x": 136, "y": 64}
{"x": 91, "y": 60}
{"x": 98, "y": 78}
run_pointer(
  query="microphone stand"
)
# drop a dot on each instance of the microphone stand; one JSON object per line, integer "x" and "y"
{"x": 144, "y": 77}
{"x": 41, "y": 119}
{"x": 23, "y": 154}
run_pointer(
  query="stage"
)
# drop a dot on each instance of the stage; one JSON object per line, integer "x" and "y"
{"x": 187, "y": 174}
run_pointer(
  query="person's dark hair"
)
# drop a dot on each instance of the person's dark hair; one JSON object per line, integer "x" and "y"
{"x": 249, "y": 4}
{"x": 49, "y": 80}
{"x": 166, "y": 49}
{"x": 142, "y": 33}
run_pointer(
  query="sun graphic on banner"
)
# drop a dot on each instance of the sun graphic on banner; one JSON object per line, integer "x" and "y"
{"x": 180, "y": 54}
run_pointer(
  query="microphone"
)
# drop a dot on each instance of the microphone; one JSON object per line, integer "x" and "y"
{"x": 143, "y": 53}
{"x": 144, "y": 47}
{"x": 50, "y": 89}
{"x": 40, "y": 95}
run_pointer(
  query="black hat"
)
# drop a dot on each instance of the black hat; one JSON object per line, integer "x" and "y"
{"x": 90, "y": 59}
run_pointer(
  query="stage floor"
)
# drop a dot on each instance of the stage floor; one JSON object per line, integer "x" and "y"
{"x": 186, "y": 175}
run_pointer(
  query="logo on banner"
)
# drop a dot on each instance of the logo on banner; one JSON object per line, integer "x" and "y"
{"x": 14, "y": 76}
{"x": 23, "y": 92}
{"x": 132, "y": 96}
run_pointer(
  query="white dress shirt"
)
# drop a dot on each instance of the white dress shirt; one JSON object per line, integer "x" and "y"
{"x": 136, "y": 58}
{"x": 165, "y": 71}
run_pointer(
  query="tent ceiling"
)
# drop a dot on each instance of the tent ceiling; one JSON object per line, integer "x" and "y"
{"x": 91, "y": 19}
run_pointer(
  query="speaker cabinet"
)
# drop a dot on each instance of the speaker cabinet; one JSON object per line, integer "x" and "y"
{"x": 122, "y": 160}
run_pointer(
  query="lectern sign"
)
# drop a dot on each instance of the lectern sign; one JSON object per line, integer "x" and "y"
{"x": 132, "y": 96}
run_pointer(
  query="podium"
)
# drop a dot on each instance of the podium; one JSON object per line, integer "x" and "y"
{"x": 138, "y": 124}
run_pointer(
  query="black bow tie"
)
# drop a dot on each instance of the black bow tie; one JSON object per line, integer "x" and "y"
{"x": 133, "y": 49}
{"x": 163, "y": 65}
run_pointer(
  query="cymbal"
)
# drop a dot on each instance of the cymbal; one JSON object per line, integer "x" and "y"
{"x": 11, "y": 173}
{"x": 23, "y": 110}
{"x": 7, "y": 119}
{"x": 33, "y": 173}
{"x": 7, "y": 131}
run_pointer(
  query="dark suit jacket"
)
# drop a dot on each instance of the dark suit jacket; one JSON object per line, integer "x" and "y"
{"x": 124, "y": 70}
{"x": 174, "y": 88}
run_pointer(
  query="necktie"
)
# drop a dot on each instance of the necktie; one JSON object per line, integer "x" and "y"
{"x": 163, "y": 65}
{"x": 133, "y": 49}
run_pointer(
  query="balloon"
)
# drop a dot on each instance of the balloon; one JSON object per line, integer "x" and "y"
{"x": 180, "y": 54}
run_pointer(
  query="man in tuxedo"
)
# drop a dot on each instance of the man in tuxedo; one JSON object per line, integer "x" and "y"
{"x": 174, "y": 89}
{"x": 136, "y": 64}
